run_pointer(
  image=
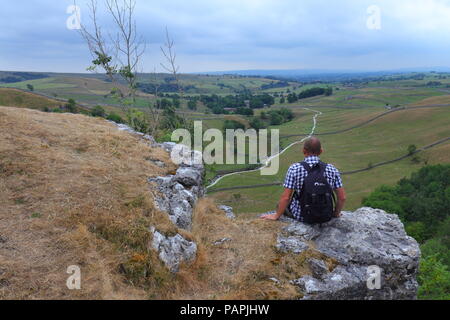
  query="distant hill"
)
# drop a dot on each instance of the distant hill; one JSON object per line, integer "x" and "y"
{"x": 324, "y": 74}
{"x": 12, "y": 77}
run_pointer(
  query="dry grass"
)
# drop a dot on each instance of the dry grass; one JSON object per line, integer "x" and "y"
{"x": 74, "y": 191}
{"x": 241, "y": 268}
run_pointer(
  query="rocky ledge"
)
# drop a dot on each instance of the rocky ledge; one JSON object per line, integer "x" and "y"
{"x": 175, "y": 195}
{"x": 364, "y": 243}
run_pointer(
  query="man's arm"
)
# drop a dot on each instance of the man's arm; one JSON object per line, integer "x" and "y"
{"x": 282, "y": 205}
{"x": 341, "y": 198}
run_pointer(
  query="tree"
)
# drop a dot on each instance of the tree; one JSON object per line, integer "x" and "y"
{"x": 233, "y": 125}
{"x": 129, "y": 48}
{"x": 425, "y": 198}
{"x": 176, "y": 103}
{"x": 123, "y": 56}
{"x": 292, "y": 97}
{"x": 245, "y": 111}
{"x": 256, "y": 103}
{"x": 192, "y": 105}
{"x": 257, "y": 123}
{"x": 171, "y": 120}
{"x": 165, "y": 103}
{"x": 98, "y": 111}
{"x": 171, "y": 57}
{"x": 412, "y": 149}
{"x": 264, "y": 116}
{"x": 71, "y": 106}
{"x": 30, "y": 87}
{"x": 287, "y": 114}
{"x": 276, "y": 119}
{"x": 422, "y": 203}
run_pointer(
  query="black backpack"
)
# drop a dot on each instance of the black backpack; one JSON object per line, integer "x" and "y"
{"x": 317, "y": 200}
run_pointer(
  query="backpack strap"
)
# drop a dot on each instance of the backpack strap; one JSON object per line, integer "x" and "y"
{"x": 306, "y": 166}
{"x": 323, "y": 168}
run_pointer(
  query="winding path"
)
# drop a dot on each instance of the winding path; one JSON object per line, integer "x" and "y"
{"x": 317, "y": 114}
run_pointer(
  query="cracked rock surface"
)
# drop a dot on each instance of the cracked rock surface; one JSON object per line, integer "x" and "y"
{"x": 357, "y": 241}
{"x": 173, "y": 250}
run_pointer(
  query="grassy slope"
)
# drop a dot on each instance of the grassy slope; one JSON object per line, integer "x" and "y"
{"x": 17, "y": 98}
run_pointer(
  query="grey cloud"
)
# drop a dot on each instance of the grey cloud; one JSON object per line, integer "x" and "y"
{"x": 288, "y": 33}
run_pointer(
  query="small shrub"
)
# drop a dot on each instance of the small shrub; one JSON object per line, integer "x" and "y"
{"x": 434, "y": 279}
{"x": 98, "y": 111}
{"x": 138, "y": 120}
{"x": 71, "y": 106}
{"x": 115, "y": 118}
{"x": 416, "y": 230}
{"x": 412, "y": 149}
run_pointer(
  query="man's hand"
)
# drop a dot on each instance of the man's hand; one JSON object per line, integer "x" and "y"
{"x": 341, "y": 199}
{"x": 282, "y": 206}
{"x": 270, "y": 217}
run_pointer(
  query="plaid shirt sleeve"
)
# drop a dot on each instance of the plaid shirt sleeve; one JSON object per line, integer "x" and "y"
{"x": 291, "y": 180}
{"x": 334, "y": 177}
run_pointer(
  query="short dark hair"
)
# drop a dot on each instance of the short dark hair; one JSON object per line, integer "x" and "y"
{"x": 313, "y": 146}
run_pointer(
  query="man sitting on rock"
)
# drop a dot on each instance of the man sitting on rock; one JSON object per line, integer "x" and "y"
{"x": 310, "y": 189}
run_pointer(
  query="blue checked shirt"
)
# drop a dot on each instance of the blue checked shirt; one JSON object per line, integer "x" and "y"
{"x": 296, "y": 176}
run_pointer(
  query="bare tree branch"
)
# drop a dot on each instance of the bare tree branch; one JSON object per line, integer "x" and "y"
{"x": 97, "y": 44}
{"x": 129, "y": 50}
{"x": 171, "y": 57}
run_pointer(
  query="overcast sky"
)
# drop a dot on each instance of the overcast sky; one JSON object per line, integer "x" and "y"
{"x": 213, "y": 35}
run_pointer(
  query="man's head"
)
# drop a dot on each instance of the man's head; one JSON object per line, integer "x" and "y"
{"x": 312, "y": 147}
